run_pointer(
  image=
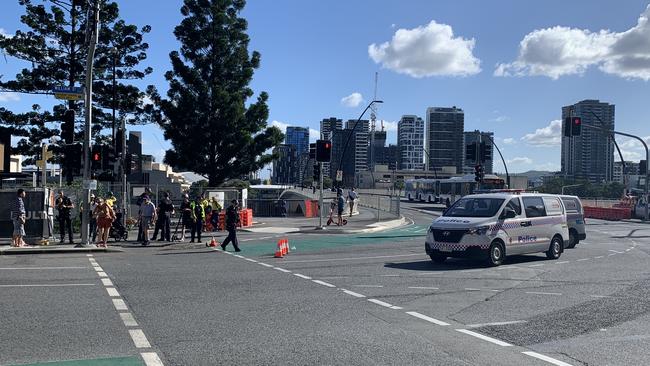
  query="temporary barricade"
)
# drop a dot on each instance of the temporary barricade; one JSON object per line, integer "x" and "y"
{"x": 607, "y": 213}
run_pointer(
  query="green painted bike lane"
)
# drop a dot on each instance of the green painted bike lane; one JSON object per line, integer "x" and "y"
{"x": 118, "y": 361}
{"x": 304, "y": 243}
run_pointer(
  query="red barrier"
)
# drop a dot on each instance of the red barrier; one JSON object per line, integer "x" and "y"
{"x": 612, "y": 214}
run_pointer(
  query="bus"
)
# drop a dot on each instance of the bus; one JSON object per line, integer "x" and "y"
{"x": 450, "y": 189}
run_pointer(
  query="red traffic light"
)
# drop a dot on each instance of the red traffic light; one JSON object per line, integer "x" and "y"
{"x": 577, "y": 120}
{"x": 96, "y": 156}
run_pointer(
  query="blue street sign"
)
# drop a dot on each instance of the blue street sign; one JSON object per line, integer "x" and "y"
{"x": 67, "y": 90}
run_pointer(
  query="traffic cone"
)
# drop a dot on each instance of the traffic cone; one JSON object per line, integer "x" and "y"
{"x": 213, "y": 243}
{"x": 278, "y": 251}
{"x": 285, "y": 250}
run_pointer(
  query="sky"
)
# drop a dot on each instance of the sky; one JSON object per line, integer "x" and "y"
{"x": 509, "y": 64}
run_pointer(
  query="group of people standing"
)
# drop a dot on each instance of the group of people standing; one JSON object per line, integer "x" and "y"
{"x": 102, "y": 216}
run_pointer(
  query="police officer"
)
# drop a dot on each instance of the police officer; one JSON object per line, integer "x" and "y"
{"x": 232, "y": 219}
{"x": 64, "y": 206}
{"x": 198, "y": 212}
{"x": 165, "y": 212}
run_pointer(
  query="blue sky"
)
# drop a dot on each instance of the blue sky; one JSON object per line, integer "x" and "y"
{"x": 511, "y": 65}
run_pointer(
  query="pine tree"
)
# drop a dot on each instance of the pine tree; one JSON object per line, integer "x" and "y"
{"x": 212, "y": 130}
{"x": 54, "y": 48}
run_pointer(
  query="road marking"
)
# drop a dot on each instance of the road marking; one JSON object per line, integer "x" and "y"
{"x": 601, "y": 296}
{"x": 151, "y": 359}
{"x": 52, "y": 285}
{"x": 265, "y": 265}
{"x": 544, "y": 293}
{"x": 600, "y": 256}
{"x": 112, "y": 292}
{"x": 102, "y": 274}
{"x": 119, "y": 304}
{"x": 563, "y": 262}
{"x": 536, "y": 265}
{"x": 495, "y": 323}
{"x": 89, "y": 255}
{"x": 389, "y": 275}
{"x": 98, "y": 268}
{"x": 628, "y": 249}
{"x": 139, "y": 339}
{"x": 302, "y": 276}
{"x": 374, "y": 286}
{"x": 546, "y": 358}
{"x": 582, "y": 260}
{"x": 429, "y": 273}
{"x": 471, "y": 270}
{"x": 238, "y": 256}
{"x": 265, "y": 237}
{"x": 128, "y": 320}
{"x": 355, "y": 294}
{"x": 323, "y": 283}
{"x": 107, "y": 282}
{"x": 427, "y": 318}
{"x": 37, "y": 268}
{"x": 396, "y": 308}
{"x": 485, "y": 338}
{"x": 380, "y": 303}
{"x": 616, "y": 251}
{"x": 612, "y": 254}
{"x": 424, "y": 288}
{"x": 282, "y": 269}
{"x": 251, "y": 260}
{"x": 354, "y": 259}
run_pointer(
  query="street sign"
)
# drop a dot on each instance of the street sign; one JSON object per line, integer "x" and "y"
{"x": 90, "y": 184}
{"x": 40, "y": 164}
{"x": 66, "y": 93}
{"x": 339, "y": 175}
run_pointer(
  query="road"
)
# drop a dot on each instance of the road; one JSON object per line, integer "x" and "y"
{"x": 365, "y": 299}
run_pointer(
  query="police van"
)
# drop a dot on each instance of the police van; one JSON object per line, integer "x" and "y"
{"x": 493, "y": 225}
{"x": 575, "y": 218}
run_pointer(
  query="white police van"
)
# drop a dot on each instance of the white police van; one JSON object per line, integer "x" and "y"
{"x": 493, "y": 225}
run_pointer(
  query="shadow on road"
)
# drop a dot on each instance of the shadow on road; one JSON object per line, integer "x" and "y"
{"x": 186, "y": 253}
{"x": 457, "y": 264}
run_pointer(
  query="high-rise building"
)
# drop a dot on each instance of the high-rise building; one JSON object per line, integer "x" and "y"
{"x": 360, "y": 141}
{"x": 340, "y": 160}
{"x": 471, "y": 137}
{"x": 444, "y": 139}
{"x": 284, "y": 167}
{"x": 377, "y": 142}
{"x": 298, "y": 137}
{"x": 589, "y": 156}
{"x": 410, "y": 140}
{"x": 631, "y": 168}
{"x": 388, "y": 155}
{"x": 327, "y": 126}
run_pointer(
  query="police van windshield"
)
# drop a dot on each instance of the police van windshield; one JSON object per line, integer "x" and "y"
{"x": 475, "y": 207}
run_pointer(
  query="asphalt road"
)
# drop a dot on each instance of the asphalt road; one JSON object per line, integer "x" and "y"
{"x": 365, "y": 299}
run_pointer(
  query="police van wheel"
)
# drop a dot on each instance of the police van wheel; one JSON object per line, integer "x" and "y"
{"x": 573, "y": 239}
{"x": 496, "y": 254}
{"x": 437, "y": 258}
{"x": 555, "y": 250}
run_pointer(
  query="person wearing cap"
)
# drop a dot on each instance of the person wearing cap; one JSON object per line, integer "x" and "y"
{"x": 64, "y": 206}
{"x": 147, "y": 215}
{"x": 232, "y": 220}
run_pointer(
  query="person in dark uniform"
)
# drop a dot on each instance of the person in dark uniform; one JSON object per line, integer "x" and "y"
{"x": 165, "y": 212}
{"x": 232, "y": 220}
{"x": 187, "y": 221}
{"x": 65, "y": 206}
{"x": 198, "y": 214}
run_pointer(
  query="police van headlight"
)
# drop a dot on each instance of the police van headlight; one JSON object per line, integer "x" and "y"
{"x": 479, "y": 230}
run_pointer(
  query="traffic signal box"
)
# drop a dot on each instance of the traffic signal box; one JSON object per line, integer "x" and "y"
{"x": 572, "y": 126}
{"x": 316, "y": 175}
{"x": 323, "y": 151}
{"x": 478, "y": 173}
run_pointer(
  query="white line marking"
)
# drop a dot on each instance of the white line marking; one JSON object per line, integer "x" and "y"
{"x": 112, "y": 292}
{"x": 563, "y": 262}
{"x": 107, "y": 282}
{"x": 424, "y": 288}
{"x": 472, "y": 289}
{"x": 282, "y": 269}
{"x": 582, "y": 260}
{"x": 89, "y": 255}
{"x": 396, "y": 308}
{"x": 251, "y": 260}
{"x": 128, "y": 320}
{"x": 628, "y": 249}
{"x": 612, "y": 254}
{"x": 151, "y": 359}
{"x": 427, "y": 318}
{"x": 600, "y": 256}
{"x": 536, "y": 265}
{"x": 546, "y": 358}
{"x": 544, "y": 293}
{"x": 471, "y": 270}
{"x": 102, "y": 274}
{"x": 601, "y": 296}
{"x": 98, "y": 269}
{"x": 302, "y": 276}
{"x": 429, "y": 273}
{"x": 238, "y": 256}
{"x": 377, "y": 286}
{"x": 92, "y": 259}
{"x": 139, "y": 339}
{"x": 52, "y": 285}
{"x": 485, "y": 338}
{"x": 265, "y": 237}
{"x": 616, "y": 251}
{"x": 495, "y": 323}
{"x": 355, "y": 294}
{"x": 380, "y": 303}
{"x": 354, "y": 259}
{"x": 390, "y": 275}
{"x": 119, "y": 304}
{"x": 39, "y": 268}
{"x": 265, "y": 265}
{"x": 323, "y": 283}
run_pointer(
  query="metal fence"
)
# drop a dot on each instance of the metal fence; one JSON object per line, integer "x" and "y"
{"x": 385, "y": 206}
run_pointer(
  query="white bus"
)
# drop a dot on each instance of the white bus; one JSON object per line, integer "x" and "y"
{"x": 448, "y": 190}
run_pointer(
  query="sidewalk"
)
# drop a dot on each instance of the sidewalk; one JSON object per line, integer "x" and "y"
{"x": 6, "y": 249}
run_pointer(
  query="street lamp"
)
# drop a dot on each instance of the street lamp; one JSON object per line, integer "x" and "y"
{"x": 353, "y": 129}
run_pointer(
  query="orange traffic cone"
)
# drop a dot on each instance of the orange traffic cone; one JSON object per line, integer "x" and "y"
{"x": 213, "y": 243}
{"x": 278, "y": 251}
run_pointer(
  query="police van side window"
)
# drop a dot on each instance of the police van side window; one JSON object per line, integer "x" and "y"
{"x": 515, "y": 206}
{"x": 534, "y": 207}
{"x": 570, "y": 204}
{"x": 553, "y": 206}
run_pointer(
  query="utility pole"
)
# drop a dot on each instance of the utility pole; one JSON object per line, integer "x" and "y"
{"x": 91, "y": 34}
{"x": 320, "y": 199}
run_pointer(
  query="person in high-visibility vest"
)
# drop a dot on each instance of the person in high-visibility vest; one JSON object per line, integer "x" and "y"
{"x": 198, "y": 212}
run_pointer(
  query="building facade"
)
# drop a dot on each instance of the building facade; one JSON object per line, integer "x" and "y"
{"x": 444, "y": 137}
{"x": 327, "y": 126}
{"x": 343, "y": 161}
{"x": 284, "y": 167}
{"x": 377, "y": 142}
{"x": 298, "y": 137}
{"x": 360, "y": 141}
{"x": 410, "y": 141}
{"x": 589, "y": 156}
{"x": 631, "y": 169}
{"x": 471, "y": 137}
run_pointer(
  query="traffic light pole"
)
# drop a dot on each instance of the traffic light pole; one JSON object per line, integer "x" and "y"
{"x": 320, "y": 199}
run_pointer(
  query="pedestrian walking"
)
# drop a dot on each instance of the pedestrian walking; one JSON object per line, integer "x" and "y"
{"x": 147, "y": 215}
{"x": 93, "y": 218}
{"x": 198, "y": 213}
{"x": 64, "y": 205}
{"x": 352, "y": 199}
{"x": 341, "y": 208}
{"x": 232, "y": 220}
{"x": 165, "y": 212}
{"x": 147, "y": 193}
{"x": 105, "y": 216}
{"x": 187, "y": 219}
{"x": 19, "y": 217}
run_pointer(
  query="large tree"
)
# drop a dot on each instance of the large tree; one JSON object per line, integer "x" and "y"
{"x": 52, "y": 48}
{"x": 212, "y": 130}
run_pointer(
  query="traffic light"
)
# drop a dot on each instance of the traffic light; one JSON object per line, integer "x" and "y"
{"x": 316, "y": 174}
{"x": 323, "y": 150}
{"x": 470, "y": 152}
{"x": 71, "y": 161}
{"x": 67, "y": 126}
{"x": 478, "y": 173}
{"x": 108, "y": 157}
{"x": 576, "y": 124}
{"x": 128, "y": 161}
{"x": 119, "y": 141}
{"x": 96, "y": 157}
{"x": 486, "y": 152}
{"x": 312, "y": 151}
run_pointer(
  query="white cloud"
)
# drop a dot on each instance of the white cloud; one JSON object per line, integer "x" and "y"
{"x": 352, "y": 100}
{"x": 509, "y": 141}
{"x": 632, "y": 144}
{"x": 388, "y": 125}
{"x": 9, "y": 97}
{"x": 559, "y": 51}
{"x": 430, "y": 50}
{"x": 281, "y": 125}
{"x": 500, "y": 119}
{"x": 520, "y": 160}
{"x": 629, "y": 155}
{"x": 313, "y": 135}
{"x": 4, "y": 33}
{"x": 546, "y": 136}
